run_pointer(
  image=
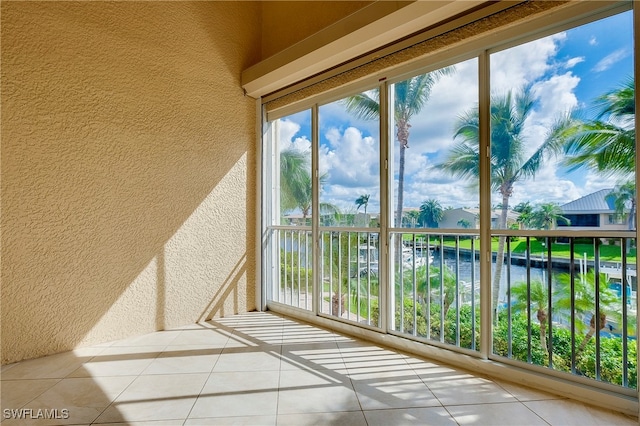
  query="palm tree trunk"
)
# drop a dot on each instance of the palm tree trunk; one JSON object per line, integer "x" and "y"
{"x": 399, "y": 207}
{"x": 497, "y": 276}
{"x": 542, "y": 319}
{"x": 592, "y": 331}
{"x": 403, "y": 137}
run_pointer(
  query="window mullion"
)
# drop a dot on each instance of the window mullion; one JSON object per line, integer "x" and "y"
{"x": 315, "y": 210}
{"x": 484, "y": 117}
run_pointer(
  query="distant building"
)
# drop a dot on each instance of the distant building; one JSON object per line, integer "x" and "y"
{"x": 457, "y": 218}
{"x": 595, "y": 210}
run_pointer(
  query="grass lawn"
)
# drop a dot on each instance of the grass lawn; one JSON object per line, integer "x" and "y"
{"x": 610, "y": 253}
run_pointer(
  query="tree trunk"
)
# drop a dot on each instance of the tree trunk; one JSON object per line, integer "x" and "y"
{"x": 399, "y": 206}
{"x": 495, "y": 287}
{"x": 403, "y": 140}
{"x": 337, "y": 304}
{"x": 542, "y": 319}
{"x": 592, "y": 331}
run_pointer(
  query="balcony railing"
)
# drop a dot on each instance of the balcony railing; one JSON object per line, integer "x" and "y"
{"x": 552, "y": 288}
{"x": 437, "y": 288}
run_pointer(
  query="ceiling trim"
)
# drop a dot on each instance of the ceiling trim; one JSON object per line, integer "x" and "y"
{"x": 364, "y": 31}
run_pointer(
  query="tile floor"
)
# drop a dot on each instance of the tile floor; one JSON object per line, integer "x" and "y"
{"x": 264, "y": 369}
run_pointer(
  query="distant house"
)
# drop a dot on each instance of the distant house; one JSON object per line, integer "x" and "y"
{"x": 595, "y": 210}
{"x": 456, "y": 218}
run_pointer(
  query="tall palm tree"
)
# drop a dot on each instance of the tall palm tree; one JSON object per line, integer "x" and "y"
{"x": 607, "y": 143}
{"x": 546, "y": 216}
{"x": 410, "y": 96}
{"x": 431, "y": 213}
{"x": 509, "y": 164}
{"x": 624, "y": 198}
{"x": 363, "y": 200}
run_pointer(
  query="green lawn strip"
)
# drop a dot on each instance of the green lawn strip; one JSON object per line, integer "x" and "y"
{"x": 610, "y": 253}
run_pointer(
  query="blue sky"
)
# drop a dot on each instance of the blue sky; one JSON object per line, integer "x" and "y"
{"x": 566, "y": 71}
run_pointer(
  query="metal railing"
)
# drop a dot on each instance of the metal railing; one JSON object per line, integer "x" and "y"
{"x": 349, "y": 277}
{"x": 569, "y": 304}
{"x": 291, "y": 256}
{"x": 566, "y": 302}
{"x": 436, "y": 287}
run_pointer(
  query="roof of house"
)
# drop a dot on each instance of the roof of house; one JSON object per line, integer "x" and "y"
{"x": 596, "y": 202}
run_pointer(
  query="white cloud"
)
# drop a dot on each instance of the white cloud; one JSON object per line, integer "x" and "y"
{"x": 351, "y": 163}
{"x": 288, "y": 130}
{"x": 609, "y": 60}
{"x": 593, "y": 41}
{"x": 573, "y": 62}
{"x": 520, "y": 65}
{"x": 351, "y": 157}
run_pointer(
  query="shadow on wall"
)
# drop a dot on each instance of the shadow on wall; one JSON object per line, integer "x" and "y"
{"x": 128, "y": 203}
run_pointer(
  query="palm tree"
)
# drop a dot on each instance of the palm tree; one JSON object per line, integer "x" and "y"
{"x": 411, "y": 218}
{"x": 623, "y": 197}
{"x": 533, "y": 297}
{"x": 430, "y": 213}
{"x": 295, "y": 181}
{"x": 546, "y": 216}
{"x": 464, "y": 223}
{"x": 363, "y": 200}
{"x": 584, "y": 301}
{"x": 525, "y": 209}
{"x": 410, "y": 96}
{"x": 607, "y": 146}
{"x": 508, "y": 161}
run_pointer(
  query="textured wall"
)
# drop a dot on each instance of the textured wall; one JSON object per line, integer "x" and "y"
{"x": 128, "y": 158}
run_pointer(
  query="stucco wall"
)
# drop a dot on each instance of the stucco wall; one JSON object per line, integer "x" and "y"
{"x": 128, "y": 164}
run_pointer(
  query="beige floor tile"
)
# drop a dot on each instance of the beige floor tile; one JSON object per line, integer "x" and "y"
{"x": 159, "y": 338}
{"x": 524, "y": 393}
{"x": 17, "y": 393}
{"x": 350, "y": 418}
{"x": 240, "y": 393}
{"x": 175, "y": 422}
{"x": 84, "y": 398}
{"x": 233, "y": 421}
{"x": 409, "y": 417}
{"x": 359, "y": 357}
{"x": 469, "y": 391}
{"x": 568, "y": 413}
{"x": 184, "y": 359}
{"x": 202, "y": 336}
{"x": 51, "y": 367}
{"x": 315, "y": 392}
{"x": 6, "y": 367}
{"x": 259, "y": 337}
{"x": 502, "y": 414}
{"x": 119, "y": 361}
{"x": 156, "y": 397}
{"x": 441, "y": 374}
{"x": 316, "y": 355}
{"x": 394, "y": 392}
{"x": 249, "y": 359}
{"x": 421, "y": 366}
